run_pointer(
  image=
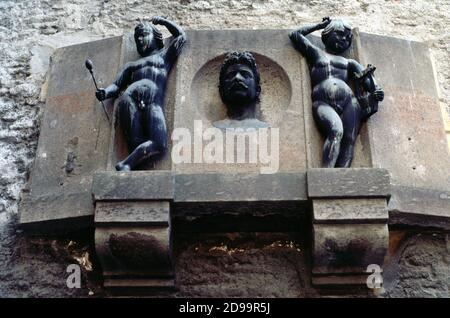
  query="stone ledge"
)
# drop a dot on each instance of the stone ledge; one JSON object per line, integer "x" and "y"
{"x": 420, "y": 207}
{"x": 133, "y": 185}
{"x": 55, "y": 209}
{"x": 213, "y": 187}
{"x": 348, "y": 183}
{"x": 209, "y": 187}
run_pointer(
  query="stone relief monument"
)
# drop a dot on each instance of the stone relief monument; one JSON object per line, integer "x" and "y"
{"x": 137, "y": 215}
{"x": 240, "y": 90}
{"x": 144, "y": 82}
{"x": 336, "y": 109}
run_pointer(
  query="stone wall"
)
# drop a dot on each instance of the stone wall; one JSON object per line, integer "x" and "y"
{"x": 419, "y": 265}
{"x": 31, "y": 30}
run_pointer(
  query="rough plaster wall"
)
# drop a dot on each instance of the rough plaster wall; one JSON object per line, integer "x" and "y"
{"x": 420, "y": 267}
{"x": 30, "y": 30}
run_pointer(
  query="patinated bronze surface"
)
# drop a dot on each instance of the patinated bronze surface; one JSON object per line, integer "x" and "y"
{"x": 143, "y": 83}
{"x": 337, "y": 110}
{"x": 239, "y": 87}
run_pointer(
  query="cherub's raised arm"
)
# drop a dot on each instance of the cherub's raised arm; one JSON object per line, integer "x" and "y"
{"x": 173, "y": 28}
{"x": 178, "y": 41}
{"x": 302, "y": 44}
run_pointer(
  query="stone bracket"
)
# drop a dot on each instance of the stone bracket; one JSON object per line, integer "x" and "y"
{"x": 350, "y": 219}
{"x": 348, "y": 183}
{"x": 132, "y": 241}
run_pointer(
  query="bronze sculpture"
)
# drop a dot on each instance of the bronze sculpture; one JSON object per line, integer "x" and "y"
{"x": 336, "y": 110}
{"x": 144, "y": 82}
{"x": 239, "y": 88}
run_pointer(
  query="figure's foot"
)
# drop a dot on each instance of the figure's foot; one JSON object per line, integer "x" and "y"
{"x": 122, "y": 167}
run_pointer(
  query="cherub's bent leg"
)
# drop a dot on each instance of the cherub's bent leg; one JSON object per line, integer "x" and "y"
{"x": 155, "y": 127}
{"x": 155, "y": 130}
{"x": 131, "y": 120}
{"x": 351, "y": 119}
{"x": 330, "y": 125}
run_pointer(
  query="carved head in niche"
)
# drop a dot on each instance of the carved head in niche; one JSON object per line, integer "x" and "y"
{"x": 147, "y": 38}
{"x": 239, "y": 81}
{"x": 337, "y": 36}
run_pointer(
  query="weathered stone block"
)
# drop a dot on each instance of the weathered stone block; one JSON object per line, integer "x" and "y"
{"x": 407, "y": 134}
{"x": 134, "y": 251}
{"x": 348, "y": 182}
{"x": 408, "y": 206}
{"x": 133, "y": 185}
{"x": 155, "y": 213}
{"x": 240, "y": 187}
{"x": 350, "y": 211}
{"x": 348, "y": 249}
{"x": 132, "y": 241}
{"x": 41, "y": 214}
{"x": 68, "y": 74}
{"x": 74, "y": 137}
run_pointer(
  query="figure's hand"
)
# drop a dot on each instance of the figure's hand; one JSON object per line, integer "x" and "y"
{"x": 157, "y": 20}
{"x": 100, "y": 94}
{"x": 325, "y": 22}
{"x": 378, "y": 95}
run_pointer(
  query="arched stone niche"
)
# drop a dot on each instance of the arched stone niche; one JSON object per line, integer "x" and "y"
{"x": 276, "y": 91}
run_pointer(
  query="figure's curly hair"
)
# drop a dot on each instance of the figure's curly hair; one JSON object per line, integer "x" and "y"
{"x": 236, "y": 57}
{"x": 145, "y": 26}
{"x": 336, "y": 25}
